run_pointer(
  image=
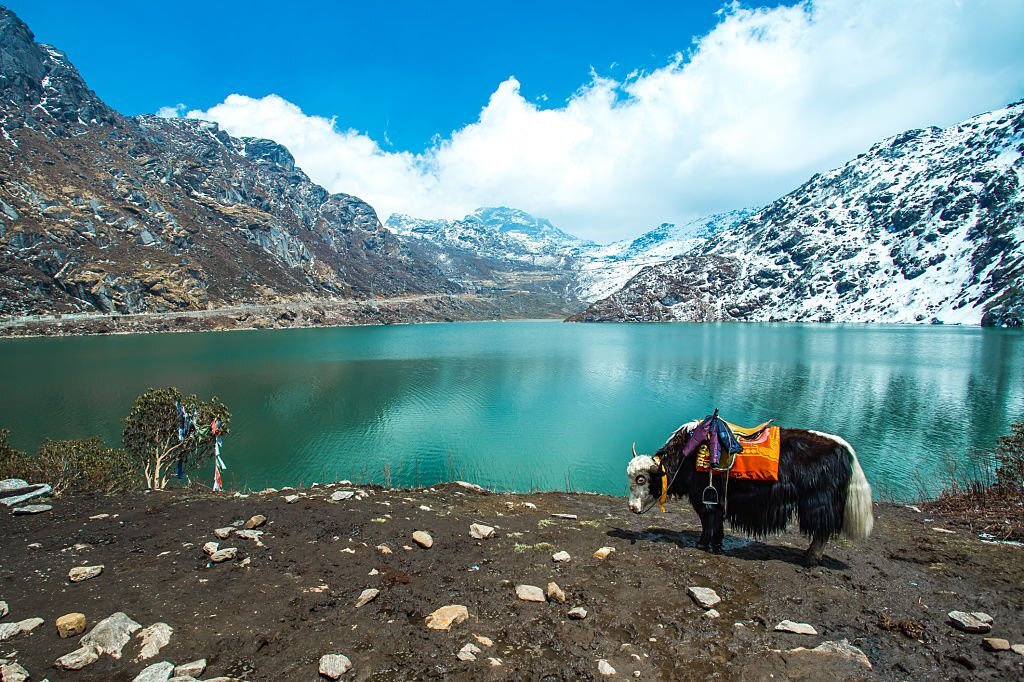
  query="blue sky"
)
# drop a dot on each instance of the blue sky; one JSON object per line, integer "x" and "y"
{"x": 607, "y": 118}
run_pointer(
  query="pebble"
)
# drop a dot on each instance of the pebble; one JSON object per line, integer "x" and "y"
{"x": 1018, "y": 649}
{"x": 555, "y": 593}
{"x": 366, "y": 597}
{"x": 604, "y": 552}
{"x": 255, "y": 521}
{"x": 975, "y": 621}
{"x": 36, "y": 545}
{"x": 383, "y": 549}
{"x": 841, "y": 648}
{"x": 158, "y": 672}
{"x": 13, "y": 672}
{"x": 32, "y": 509}
{"x": 468, "y": 652}
{"x": 210, "y": 548}
{"x": 530, "y": 593}
{"x": 80, "y": 573}
{"x": 571, "y": 517}
{"x": 70, "y": 624}
{"x": 224, "y": 554}
{"x": 99, "y": 517}
{"x": 78, "y": 659}
{"x": 605, "y": 668}
{"x": 486, "y": 641}
{"x": 494, "y": 662}
{"x": 333, "y": 666}
{"x": 223, "y": 533}
{"x": 193, "y": 669}
{"x": 560, "y": 556}
{"x": 996, "y": 644}
{"x": 339, "y": 495}
{"x": 795, "y": 628}
{"x": 704, "y": 596}
{"x": 250, "y": 535}
{"x": 154, "y": 638}
{"x": 577, "y": 613}
{"x": 111, "y": 634}
{"x": 529, "y": 505}
{"x": 446, "y": 616}
{"x": 480, "y": 531}
{"x": 291, "y": 498}
{"x": 423, "y": 539}
{"x": 4, "y": 609}
{"x": 712, "y": 613}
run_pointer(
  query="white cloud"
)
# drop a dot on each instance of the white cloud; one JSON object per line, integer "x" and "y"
{"x": 171, "y": 112}
{"x": 763, "y": 101}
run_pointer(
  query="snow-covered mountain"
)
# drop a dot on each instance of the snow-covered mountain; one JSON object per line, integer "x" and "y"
{"x": 926, "y": 226}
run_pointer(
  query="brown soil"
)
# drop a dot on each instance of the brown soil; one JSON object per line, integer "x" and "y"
{"x": 273, "y": 619}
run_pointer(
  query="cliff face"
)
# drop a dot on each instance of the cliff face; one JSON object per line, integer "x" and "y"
{"x": 100, "y": 212}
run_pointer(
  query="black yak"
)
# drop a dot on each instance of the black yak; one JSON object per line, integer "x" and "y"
{"x": 819, "y": 480}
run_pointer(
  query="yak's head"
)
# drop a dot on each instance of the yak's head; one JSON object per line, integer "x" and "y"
{"x": 644, "y": 482}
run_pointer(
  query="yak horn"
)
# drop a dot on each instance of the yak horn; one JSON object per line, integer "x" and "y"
{"x": 634, "y": 450}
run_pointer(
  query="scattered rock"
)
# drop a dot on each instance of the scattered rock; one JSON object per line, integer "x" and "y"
{"x": 712, "y": 613}
{"x": 486, "y": 641}
{"x": 560, "y": 556}
{"x": 30, "y": 624}
{"x": 255, "y": 521}
{"x": 158, "y": 672}
{"x": 996, "y": 644}
{"x": 468, "y": 652}
{"x": 111, "y": 634}
{"x": 8, "y": 630}
{"x": 605, "y": 668}
{"x": 4, "y": 609}
{"x": 704, "y": 596}
{"x": 291, "y": 498}
{"x": 1018, "y": 649}
{"x": 250, "y": 535}
{"x": 529, "y": 505}
{"x": 423, "y": 539}
{"x": 446, "y": 616}
{"x": 70, "y": 625}
{"x": 340, "y": 495}
{"x": 494, "y": 662}
{"x": 210, "y": 548}
{"x": 32, "y": 509}
{"x": 224, "y": 554}
{"x": 35, "y": 545}
{"x": 154, "y": 638}
{"x": 223, "y": 533}
{"x": 383, "y": 549}
{"x": 571, "y": 517}
{"x": 333, "y": 666}
{"x": 366, "y": 597}
{"x": 975, "y": 621}
{"x": 555, "y": 593}
{"x": 78, "y": 659}
{"x": 577, "y": 613}
{"x": 841, "y": 648}
{"x": 99, "y": 517}
{"x": 530, "y": 593}
{"x": 12, "y": 672}
{"x": 604, "y": 552}
{"x": 470, "y": 486}
{"x": 795, "y": 628}
{"x": 80, "y": 573}
{"x": 193, "y": 669}
{"x": 480, "y": 531}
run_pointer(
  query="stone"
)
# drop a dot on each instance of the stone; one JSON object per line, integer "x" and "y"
{"x": 210, "y": 548}
{"x": 158, "y": 672}
{"x": 70, "y": 625}
{"x": 13, "y": 672}
{"x": 468, "y": 652}
{"x": 529, "y": 505}
{"x": 447, "y": 616}
{"x": 8, "y": 630}
{"x": 795, "y": 628}
{"x": 290, "y": 499}
{"x": 712, "y": 613}
{"x": 154, "y": 638}
{"x": 530, "y": 593}
{"x": 570, "y": 517}
{"x": 423, "y": 539}
{"x": 30, "y": 624}
{"x": 841, "y": 648}
{"x": 193, "y": 669}
{"x": 605, "y": 668}
{"x": 480, "y": 531}
{"x": 975, "y": 621}
{"x": 14, "y": 491}
{"x": 80, "y": 573}
{"x": 1017, "y": 649}
{"x": 996, "y": 644}
{"x": 78, "y": 659}
{"x": 111, "y": 634}
{"x": 494, "y": 662}
{"x": 383, "y": 549}
{"x": 560, "y": 556}
{"x": 470, "y": 486}
{"x": 333, "y": 666}
{"x": 577, "y": 613}
{"x": 555, "y": 593}
{"x": 4, "y": 609}
{"x": 253, "y": 535}
{"x": 486, "y": 641}
{"x": 255, "y": 521}
{"x": 366, "y": 597}
{"x": 604, "y": 552}
{"x": 32, "y": 509}
{"x": 225, "y": 554}
{"x": 99, "y": 517}
{"x": 704, "y": 596}
{"x": 223, "y": 533}
{"x": 339, "y": 495}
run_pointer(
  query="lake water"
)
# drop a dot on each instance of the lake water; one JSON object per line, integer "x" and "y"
{"x": 529, "y": 405}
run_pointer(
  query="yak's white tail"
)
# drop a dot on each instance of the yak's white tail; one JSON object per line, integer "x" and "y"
{"x": 858, "y": 519}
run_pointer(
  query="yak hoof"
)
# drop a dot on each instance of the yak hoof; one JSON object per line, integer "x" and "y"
{"x": 717, "y": 549}
{"x": 812, "y": 560}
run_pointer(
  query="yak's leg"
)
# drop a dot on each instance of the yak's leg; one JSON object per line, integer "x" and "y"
{"x": 817, "y": 549}
{"x": 707, "y": 526}
{"x": 718, "y": 514}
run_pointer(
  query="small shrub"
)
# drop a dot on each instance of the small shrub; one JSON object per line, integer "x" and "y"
{"x": 85, "y": 466}
{"x": 15, "y": 463}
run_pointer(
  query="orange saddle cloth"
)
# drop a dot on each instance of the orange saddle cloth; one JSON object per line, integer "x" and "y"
{"x": 759, "y": 460}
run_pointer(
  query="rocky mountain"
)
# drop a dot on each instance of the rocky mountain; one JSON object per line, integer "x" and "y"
{"x": 926, "y": 226}
{"x": 101, "y": 212}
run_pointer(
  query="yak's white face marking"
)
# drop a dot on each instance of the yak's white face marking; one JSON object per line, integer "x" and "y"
{"x": 639, "y": 471}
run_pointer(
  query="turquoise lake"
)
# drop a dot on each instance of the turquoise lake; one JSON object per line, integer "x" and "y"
{"x": 530, "y": 405}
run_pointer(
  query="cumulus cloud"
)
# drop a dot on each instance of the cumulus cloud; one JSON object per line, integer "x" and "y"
{"x": 764, "y": 100}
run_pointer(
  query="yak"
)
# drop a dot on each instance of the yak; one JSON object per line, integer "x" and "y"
{"x": 819, "y": 480}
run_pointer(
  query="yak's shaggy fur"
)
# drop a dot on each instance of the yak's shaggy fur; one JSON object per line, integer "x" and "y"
{"x": 820, "y": 482}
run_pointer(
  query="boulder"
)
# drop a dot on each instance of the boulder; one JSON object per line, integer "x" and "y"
{"x": 480, "y": 531}
{"x": 78, "y": 659}
{"x": 154, "y": 638}
{"x": 530, "y": 593}
{"x": 704, "y": 596}
{"x": 193, "y": 669}
{"x": 333, "y": 666}
{"x": 795, "y": 628}
{"x": 366, "y": 597}
{"x": 555, "y": 593}
{"x": 80, "y": 573}
{"x": 577, "y": 613}
{"x": 560, "y": 556}
{"x": 975, "y": 621}
{"x": 604, "y": 552}
{"x": 423, "y": 539}
{"x": 158, "y": 672}
{"x": 446, "y": 616}
{"x": 255, "y": 521}
{"x": 111, "y": 634}
{"x": 70, "y": 625}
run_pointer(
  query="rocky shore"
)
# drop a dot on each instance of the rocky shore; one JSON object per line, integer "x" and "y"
{"x": 356, "y": 582}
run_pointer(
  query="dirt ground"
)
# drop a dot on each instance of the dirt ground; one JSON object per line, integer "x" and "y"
{"x": 294, "y": 601}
